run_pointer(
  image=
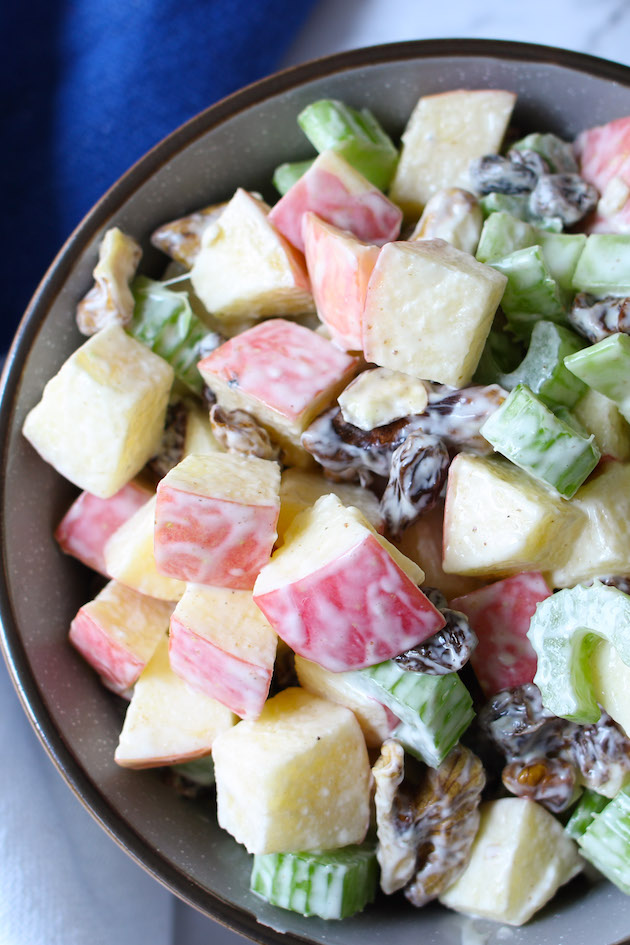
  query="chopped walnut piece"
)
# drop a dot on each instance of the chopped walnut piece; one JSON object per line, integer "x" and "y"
{"x": 239, "y": 432}
{"x": 181, "y": 239}
{"x": 426, "y": 829}
{"x": 110, "y": 300}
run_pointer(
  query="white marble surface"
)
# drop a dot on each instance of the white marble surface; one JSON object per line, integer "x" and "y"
{"x": 80, "y": 891}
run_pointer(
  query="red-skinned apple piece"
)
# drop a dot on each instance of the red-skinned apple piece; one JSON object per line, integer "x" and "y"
{"x": 500, "y": 614}
{"x": 342, "y": 596}
{"x": 89, "y": 522}
{"x": 340, "y": 195}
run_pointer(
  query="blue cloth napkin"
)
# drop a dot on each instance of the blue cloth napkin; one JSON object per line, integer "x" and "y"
{"x": 88, "y": 86}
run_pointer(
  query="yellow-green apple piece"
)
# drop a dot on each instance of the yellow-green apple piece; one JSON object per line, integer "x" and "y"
{"x": 379, "y": 396}
{"x": 101, "y": 416}
{"x": 167, "y": 721}
{"x": 340, "y": 594}
{"x": 610, "y": 677}
{"x": 422, "y": 542}
{"x": 453, "y": 215}
{"x": 181, "y": 239}
{"x": 602, "y": 545}
{"x": 118, "y": 631}
{"x": 338, "y": 194}
{"x": 221, "y": 644}
{"x": 308, "y": 761}
{"x": 601, "y": 416}
{"x": 443, "y": 135}
{"x": 129, "y": 557}
{"x": 499, "y": 521}
{"x": 520, "y": 857}
{"x": 283, "y": 374}
{"x": 215, "y": 519}
{"x": 339, "y": 266}
{"x": 88, "y": 524}
{"x": 376, "y": 720}
{"x": 245, "y": 268}
{"x": 301, "y": 488}
{"x": 422, "y": 293}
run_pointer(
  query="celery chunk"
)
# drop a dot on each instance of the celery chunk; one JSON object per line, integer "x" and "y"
{"x": 200, "y": 771}
{"x": 530, "y": 435}
{"x": 357, "y": 135}
{"x": 605, "y": 367}
{"x": 557, "y": 153}
{"x": 604, "y": 265}
{"x": 606, "y": 841}
{"x": 333, "y": 884}
{"x": 564, "y": 632}
{"x": 434, "y": 710}
{"x": 515, "y": 204}
{"x": 285, "y": 175}
{"x": 543, "y": 369}
{"x": 502, "y": 234}
{"x": 531, "y": 292}
{"x": 164, "y": 321}
{"x": 590, "y": 804}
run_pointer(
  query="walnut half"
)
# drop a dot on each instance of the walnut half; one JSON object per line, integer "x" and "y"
{"x": 110, "y": 300}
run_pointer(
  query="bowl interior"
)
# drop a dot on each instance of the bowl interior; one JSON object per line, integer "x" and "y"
{"x": 238, "y": 143}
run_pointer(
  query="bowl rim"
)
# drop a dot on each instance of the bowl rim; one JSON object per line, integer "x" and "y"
{"x": 27, "y": 687}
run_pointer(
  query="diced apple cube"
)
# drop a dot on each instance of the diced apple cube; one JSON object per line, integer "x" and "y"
{"x": 520, "y": 857}
{"x": 443, "y": 135}
{"x": 602, "y": 545}
{"x": 376, "y": 721}
{"x": 215, "y": 519}
{"x": 167, "y": 721}
{"x": 101, "y": 416}
{"x": 118, "y": 631}
{"x": 88, "y": 524}
{"x": 283, "y": 374}
{"x": 339, "y": 266}
{"x": 601, "y": 416}
{"x": 308, "y": 762}
{"x": 428, "y": 310}
{"x": 221, "y": 643}
{"x": 341, "y": 595}
{"x": 610, "y": 678}
{"x": 246, "y": 268}
{"x": 422, "y": 543}
{"x": 129, "y": 557}
{"x": 500, "y": 615}
{"x": 300, "y": 488}
{"x": 339, "y": 194}
{"x": 603, "y": 157}
{"x": 499, "y": 521}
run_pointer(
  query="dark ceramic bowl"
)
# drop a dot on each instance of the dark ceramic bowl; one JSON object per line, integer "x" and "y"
{"x": 239, "y": 141}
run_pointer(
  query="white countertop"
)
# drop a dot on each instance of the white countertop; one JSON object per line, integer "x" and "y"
{"x": 108, "y": 892}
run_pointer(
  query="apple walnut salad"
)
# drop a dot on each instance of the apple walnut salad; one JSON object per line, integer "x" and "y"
{"x": 357, "y": 472}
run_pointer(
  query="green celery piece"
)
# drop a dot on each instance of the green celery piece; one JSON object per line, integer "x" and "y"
{"x": 434, "y": 710}
{"x": 515, "y": 204}
{"x": 557, "y": 153}
{"x": 501, "y": 355}
{"x": 561, "y": 252}
{"x": 531, "y": 292}
{"x": 606, "y": 841}
{"x": 201, "y": 770}
{"x": 604, "y": 265}
{"x": 543, "y": 369}
{"x": 164, "y": 321}
{"x": 285, "y": 175}
{"x": 605, "y": 367}
{"x": 529, "y": 434}
{"x": 502, "y": 234}
{"x": 356, "y": 135}
{"x": 564, "y": 632}
{"x": 590, "y": 804}
{"x": 568, "y": 417}
{"x": 333, "y": 884}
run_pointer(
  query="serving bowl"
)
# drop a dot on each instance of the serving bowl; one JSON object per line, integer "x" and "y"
{"x": 238, "y": 142}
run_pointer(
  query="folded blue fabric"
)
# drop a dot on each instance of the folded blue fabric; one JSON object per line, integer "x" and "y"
{"x": 89, "y": 86}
